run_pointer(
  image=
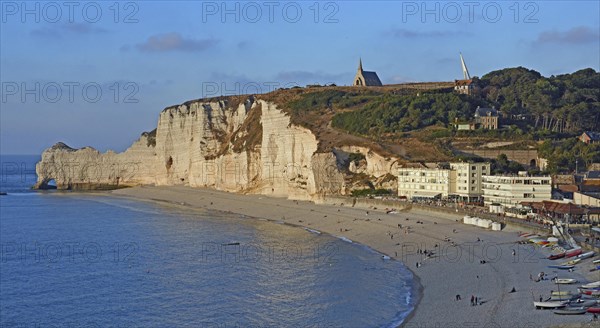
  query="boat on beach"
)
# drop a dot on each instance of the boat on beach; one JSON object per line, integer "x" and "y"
{"x": 565, "y": 281}
{"x": 596, "y": 261}
{"x": 586, "y": 255}
{"x": 591, "y": 285}
{"x": 573, "y": 253}
{"x": 557, "y": 256}
{"x": 572, "y": 262}
{"x": 550, "y": 305}
{"x": 593, "y": 310}
{"x": 584, "y": 303}
{"x": 571, "y": 311}
{"x": 561, "y": 267}
{"x": 563, "y": 293}
{"x": 591, "y": 292}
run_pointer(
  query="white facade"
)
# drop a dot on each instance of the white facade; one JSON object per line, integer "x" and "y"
{"x": 424, "y": 182}
{"x": 510, "y": 191}
{"x": 469, "y": 178}
{"x": 461, "y": 179}
{"x": 586, "y": 199}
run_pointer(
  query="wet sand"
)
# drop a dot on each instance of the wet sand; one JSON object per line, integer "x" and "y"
{"x": 454, "y": 269}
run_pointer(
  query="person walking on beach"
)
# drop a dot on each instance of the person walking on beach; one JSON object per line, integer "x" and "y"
{"x": 476, "y": 300}
{"x": 458, "y": 297}
{"x": 472, "y": 300}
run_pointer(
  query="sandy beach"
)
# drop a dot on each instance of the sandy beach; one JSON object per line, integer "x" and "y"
{"x": 456, "y": 267}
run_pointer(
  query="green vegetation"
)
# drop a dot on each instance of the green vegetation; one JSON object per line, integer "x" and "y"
{"x": 391, "y": 113}
{"x": 328, "y": 99}
{"x": 563, "y": 103}
{"x": 370, "y": 192}
{"x": 562, "y": 154}
{"x": 532, "y": 108}
{"x": 502, "y": 165}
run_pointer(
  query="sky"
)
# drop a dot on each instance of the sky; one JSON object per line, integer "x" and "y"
{"x": 98, "y": 73}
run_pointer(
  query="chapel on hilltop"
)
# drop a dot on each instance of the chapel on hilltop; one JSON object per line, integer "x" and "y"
{"x": 365, "y": 78}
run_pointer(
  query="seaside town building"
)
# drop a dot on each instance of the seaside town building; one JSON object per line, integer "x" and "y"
{"x": 589, "y": 137}
{"x": 486, "y": 118}
{"x": 365, "y": 78}
{"x": 465, "y": 86}
{"x": 459, "y": 180}
{"x": 511, "y": 191}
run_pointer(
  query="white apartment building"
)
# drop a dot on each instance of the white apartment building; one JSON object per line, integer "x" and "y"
{"x": 510, "y": 191}
{"x": 461, "y": 179}
{"x": 469, "y": 184}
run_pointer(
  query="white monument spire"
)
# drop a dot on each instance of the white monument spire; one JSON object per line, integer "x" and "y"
{"x": 465, "y": 70}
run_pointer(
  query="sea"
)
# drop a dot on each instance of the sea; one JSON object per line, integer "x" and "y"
{"x": 72, "y": 259}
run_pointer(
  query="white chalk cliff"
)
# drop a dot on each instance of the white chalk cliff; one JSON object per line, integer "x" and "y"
{"x": 251, "y": 148}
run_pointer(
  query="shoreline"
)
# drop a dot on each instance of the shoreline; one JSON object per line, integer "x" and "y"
{"x": 458, "y": 267}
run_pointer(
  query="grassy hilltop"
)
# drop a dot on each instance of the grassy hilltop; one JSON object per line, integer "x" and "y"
{"x": 415, "y": 121}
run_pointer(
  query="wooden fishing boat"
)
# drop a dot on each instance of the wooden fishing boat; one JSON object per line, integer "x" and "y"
{"x": 549, "y": 305}
{"x": 570, "y": 311}
{"x": 561, "y": 267}
{"x": 596, "y": 261}
{"x": 565, "y": 281}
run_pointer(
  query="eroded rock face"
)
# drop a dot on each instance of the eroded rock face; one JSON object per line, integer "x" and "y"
{"x": 249, "y": 148}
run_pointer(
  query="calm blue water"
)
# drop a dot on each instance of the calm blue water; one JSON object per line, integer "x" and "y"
{"x": 81, "y": 260}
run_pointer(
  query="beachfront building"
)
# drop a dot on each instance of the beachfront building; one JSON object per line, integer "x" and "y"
{"x": 510, "y": 191}
{"x": 461, "y": 180}
{"x": 469, "y": 186}
{"x": 425, "y": 182}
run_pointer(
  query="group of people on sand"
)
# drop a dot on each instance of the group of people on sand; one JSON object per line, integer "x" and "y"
{"x": 474, "y": 299}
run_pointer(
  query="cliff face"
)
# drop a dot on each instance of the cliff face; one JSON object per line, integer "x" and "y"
{"x": 249, "y": 147}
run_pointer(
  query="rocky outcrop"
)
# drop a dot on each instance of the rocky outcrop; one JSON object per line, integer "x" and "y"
{"x": 250, "y": 147}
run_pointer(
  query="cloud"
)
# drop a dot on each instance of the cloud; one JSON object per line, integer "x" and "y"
{"x": 175, "y": 42}
{"x": 576, "y": 35}
{"x": 61, "y": 30}
{"x": 412, "y": 34}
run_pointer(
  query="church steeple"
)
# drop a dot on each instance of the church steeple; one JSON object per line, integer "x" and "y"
{"x": 365, "y": 78}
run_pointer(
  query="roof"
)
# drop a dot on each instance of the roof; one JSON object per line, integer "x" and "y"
{"x": 568, "y": 188}
{"x": 463, "y": 82}
{"x": 371, "y": 78}
{"x": 594, "y": 136}
{"x": 479, "y": 112}
{"x": 593, "y": 175}
{"x": 563, "y": 179}
{"x": 555, "y": 207}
